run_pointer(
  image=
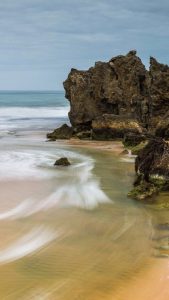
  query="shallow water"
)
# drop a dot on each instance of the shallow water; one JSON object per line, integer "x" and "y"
{"x": 70, "y": 233}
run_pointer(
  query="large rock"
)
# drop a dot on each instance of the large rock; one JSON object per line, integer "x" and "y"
{"x": 117, "y": 87}
{"x": 121, "y": 87}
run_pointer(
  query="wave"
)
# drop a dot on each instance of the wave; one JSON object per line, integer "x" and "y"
{"x": 28, "y": 244}
{"x": 33, "y": 112}
{"x": 38, "y": 164}
{"x": 86, "y": 196}
{"x": 73, "y": 186}
{"x": 31, "y": 118}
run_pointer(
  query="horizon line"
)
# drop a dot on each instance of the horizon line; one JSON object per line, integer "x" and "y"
{"x": 29, "y": 90}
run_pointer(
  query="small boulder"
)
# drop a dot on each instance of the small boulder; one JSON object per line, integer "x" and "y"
{"x": 63, "y": 161}
{"x": 63, "y": 132}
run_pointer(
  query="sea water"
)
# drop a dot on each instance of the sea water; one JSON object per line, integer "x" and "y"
{"x": 66, "y": 233}
{"x": 35, "y": 110}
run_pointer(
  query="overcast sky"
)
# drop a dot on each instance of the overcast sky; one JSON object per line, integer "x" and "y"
{"x": 40, "y": 40}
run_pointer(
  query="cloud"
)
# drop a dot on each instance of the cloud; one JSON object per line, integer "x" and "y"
{"x": 54, "y": 35}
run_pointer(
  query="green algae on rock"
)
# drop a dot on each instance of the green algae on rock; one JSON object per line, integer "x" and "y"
{"x": 138, "y": 148}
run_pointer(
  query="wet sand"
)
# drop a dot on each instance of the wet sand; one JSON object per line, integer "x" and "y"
{"x": 111, "y": 146}
{"x": 149, "y": 283}
{"x": 104, "y": 253}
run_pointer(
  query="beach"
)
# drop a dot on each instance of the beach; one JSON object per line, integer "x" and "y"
{"x": 73, "y": 232}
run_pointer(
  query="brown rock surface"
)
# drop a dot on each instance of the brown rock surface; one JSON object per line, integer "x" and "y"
{"x": 123, "y": 89}
{"x": 117, "y": 87}
{"x": 159, "y": 90}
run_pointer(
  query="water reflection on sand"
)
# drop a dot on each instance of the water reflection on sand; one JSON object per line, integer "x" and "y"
{"x": 68, "y": 233}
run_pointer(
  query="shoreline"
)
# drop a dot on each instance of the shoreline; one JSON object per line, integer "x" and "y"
{"x": 110, "y": 146}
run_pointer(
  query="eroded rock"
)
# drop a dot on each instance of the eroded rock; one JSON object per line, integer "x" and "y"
{"x": 118, "y": 87}
{"x": 123, "y": 88}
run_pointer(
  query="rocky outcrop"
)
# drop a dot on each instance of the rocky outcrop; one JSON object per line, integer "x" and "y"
{"x": 152, "y": 169}
{"x": 118, "y": 87}
{"x": 111, "y": 93}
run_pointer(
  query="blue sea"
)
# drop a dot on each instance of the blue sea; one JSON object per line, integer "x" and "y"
{"x": 32, "y": 110}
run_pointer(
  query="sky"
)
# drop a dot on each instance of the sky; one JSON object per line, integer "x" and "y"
{"x": 41, "y": 40}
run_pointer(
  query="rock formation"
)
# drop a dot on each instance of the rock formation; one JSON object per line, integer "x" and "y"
{"x": 106, "y": 100}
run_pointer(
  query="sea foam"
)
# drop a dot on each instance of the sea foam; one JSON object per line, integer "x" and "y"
{"x": 73, "y": 186}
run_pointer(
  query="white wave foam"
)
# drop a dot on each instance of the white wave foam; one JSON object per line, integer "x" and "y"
{"x": 38, "y": 164}
{"x": 74, "y": 186}
{"x": 87, "y": 195}
{"x": 28, "y": 244}
{"x": 33, "y": 112}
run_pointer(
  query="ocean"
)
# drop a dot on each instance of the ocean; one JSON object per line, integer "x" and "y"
{"x": 32, "y": 110}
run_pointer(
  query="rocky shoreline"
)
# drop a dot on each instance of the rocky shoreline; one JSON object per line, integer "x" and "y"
{"x": 121, "y": 100}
